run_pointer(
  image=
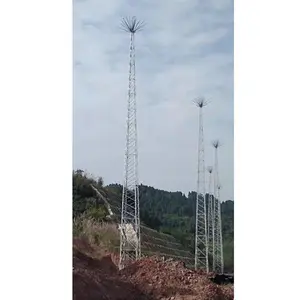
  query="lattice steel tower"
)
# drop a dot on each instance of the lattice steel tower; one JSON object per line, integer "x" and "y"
{"x": 201, "y": 249}
{"x": 210, "y": 219}
{"x": 218, "y": 264}
{"x": 219, "y": 256}
{"x": 130, "y": 242}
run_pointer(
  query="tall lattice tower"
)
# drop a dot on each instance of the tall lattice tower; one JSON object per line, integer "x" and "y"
{"x": 218, "y": 264}
{"x": 130, "y": 242}
{"x": 210, "y": 219}
{"x": 201, "y": 249}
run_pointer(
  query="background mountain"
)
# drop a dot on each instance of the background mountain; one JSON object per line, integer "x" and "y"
{"x": 172, "y": 213}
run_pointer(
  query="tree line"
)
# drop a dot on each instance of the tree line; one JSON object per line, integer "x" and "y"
{"x": 167, "y": 212}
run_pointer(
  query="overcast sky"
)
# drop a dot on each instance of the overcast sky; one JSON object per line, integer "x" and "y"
{"x": 185, "y": 51}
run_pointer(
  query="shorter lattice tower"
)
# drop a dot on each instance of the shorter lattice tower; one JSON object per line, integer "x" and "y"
{"x": 210, "y": 218}
{"x": 219, "y": 257}
{"x": 201, "y": 250}
{"x": 218, "y": 243}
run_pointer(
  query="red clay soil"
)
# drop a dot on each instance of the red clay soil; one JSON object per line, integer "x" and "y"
{"x": 149, "y": 279}
{"x": 99, "y": 280}
{"x": 171, "y": 280}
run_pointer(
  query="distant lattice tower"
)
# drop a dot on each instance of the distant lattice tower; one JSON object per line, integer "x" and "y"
{"x": 210, "y": 219}
{"x": 219, "y": 252}
{"x": 130, "y": 242}
{"x": 218, "y": 264}
{"x": 201, "y": 247}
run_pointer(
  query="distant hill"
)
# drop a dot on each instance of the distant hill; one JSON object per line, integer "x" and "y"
{"x": 174, "y": 213}
{"x": 170, "y": 213}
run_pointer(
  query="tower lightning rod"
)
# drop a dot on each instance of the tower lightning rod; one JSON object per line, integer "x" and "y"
{"x": 201, "y": 246}
{"x": 130, "y": 242}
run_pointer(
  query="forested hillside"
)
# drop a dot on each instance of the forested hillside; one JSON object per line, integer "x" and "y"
{"x": 174, "y": 213}
{"x": 168, "y": 212}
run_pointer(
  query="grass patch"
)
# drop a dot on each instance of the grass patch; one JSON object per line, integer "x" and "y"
{"x": 97, "y": 234}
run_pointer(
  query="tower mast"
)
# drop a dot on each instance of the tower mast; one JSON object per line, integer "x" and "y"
{"x": 130, "y": 242}
{"x": 218, "y": 264}
{"x": 201, "y": 249}
{"x": 220, "y": 258}
{"x": 210, "y": 218}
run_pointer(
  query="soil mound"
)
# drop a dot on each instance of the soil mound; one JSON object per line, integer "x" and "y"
{"x": 95, "y": 279}
{"x": 149, "y": 279}
{"x": 171, "y": 280}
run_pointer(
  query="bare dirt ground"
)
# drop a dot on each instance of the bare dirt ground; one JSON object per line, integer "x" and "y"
{"x": 149, "y": 279}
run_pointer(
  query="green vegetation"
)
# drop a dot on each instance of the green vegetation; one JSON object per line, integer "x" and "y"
{"x": 174, "y": 213}
{"x": 171, "y": 213}
{"x": 84, "y": 197}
